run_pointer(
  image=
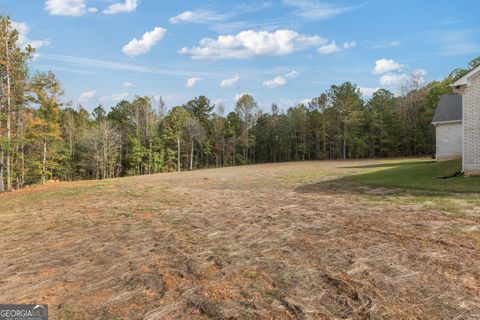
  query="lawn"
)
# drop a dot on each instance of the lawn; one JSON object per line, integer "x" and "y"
{"x": 418, "y": 174}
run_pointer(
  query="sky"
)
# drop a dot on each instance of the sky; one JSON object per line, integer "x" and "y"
{"x": 284, "y": 51}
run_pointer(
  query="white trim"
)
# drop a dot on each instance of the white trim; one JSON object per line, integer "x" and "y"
{"x": 449, "y": 121}
{"x": 463, "y": 81}
{"x": 463, "y": 134}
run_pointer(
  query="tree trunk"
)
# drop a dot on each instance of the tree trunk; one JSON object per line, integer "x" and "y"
{"x": 178, "y": 155}
{"x": 44, "y": 161}
{"x": 191, "y": 154}
{"x": 21, "y": 147}
{"x": 234, "y": 151}
{"x": 105, "y": 156}
{"x": 304, "y": 147}
{"x": 296, "y": 146}
{"x": 149, "y": 155}
{"x": 9, "y": 109}
{"x": 70, "y": 137}
{"x": 147, "y": 134}
{"x": 2, "y": 186}
{"x": 345, "y": 132}
{"x": 324, "y": 139}
{"x": 275, "y": 150}
{"x": 22, "y": 157}
{"x": 245, "y": 149}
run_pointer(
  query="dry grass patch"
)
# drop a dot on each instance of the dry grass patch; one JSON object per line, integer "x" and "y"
{"x": 283, "y": 241}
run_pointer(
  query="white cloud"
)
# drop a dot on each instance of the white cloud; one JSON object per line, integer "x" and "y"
{"x": 349, "y": 45}
{"x": 280, "y": 81}
{"x": 92, "y": 10}
{"x": 115, "y": 97}
{"x": 417, "y": 77}
{"x": 182, "y": 17}
{"x": 200, "y": 16}
{"x": 136, "y": 47}
{"x": 229, "y": 82}
{"x": 315, "y": 10}
{"x": 73, "y": 8}
{"x": 192, "y": 82}
{"x": 230, "y": 26}
{"x": 368, "y": 91}
{"x": 292, "y": 74}
{"x": 118, "y": 7}
{"x": 128, "y": 84}
{"x": 332, "y": 47}
{"x": 395, "y": 43}
{"x": 305, "y": 102}
{"x": 247, "y": 44}
{"x": 23, "y": 29}
{"x": 384, "y": 44}
{"x": 386, "y": 65}
{"x": 393, "y": 79}
{"x": 87, "y": 96}
{"x": 329, "y": 48}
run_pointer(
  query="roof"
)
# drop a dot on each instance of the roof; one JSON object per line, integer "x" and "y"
{"x": 463, "y": 81}
{"x": 449, "y": 108}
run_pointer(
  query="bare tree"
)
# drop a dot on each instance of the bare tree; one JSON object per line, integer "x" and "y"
{"x": 409, "y": 103}
{"x": 218, "y": 127}
{"x": 247, "y": 109}
{"x": 195, "y": 133}
{"x": 103, "y": 142}
{"x": 9, "y": 100}
{"x": 70, "y": 130}
{"x": 154, "y": 115}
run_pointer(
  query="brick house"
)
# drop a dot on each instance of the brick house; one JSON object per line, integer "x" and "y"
{"x": 457, "y": 122}
{"x": 448, "y": 126}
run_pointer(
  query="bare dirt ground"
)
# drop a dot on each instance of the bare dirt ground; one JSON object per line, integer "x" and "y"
{"x": 254, "y": 242}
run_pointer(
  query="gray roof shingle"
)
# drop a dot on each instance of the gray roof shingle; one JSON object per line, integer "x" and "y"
{"x": 449, "y": 108}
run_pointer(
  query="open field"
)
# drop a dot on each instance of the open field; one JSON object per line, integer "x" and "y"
{"x": 310, "y": 240}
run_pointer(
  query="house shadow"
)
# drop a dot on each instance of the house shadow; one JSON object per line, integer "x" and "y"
{"x": 387, "y": 165}
{"x": 398, "y": 178}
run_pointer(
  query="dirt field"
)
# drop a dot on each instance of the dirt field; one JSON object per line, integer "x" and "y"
{"x": 256, "y": 242}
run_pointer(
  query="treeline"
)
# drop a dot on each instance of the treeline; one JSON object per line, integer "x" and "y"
{"x": 43, "y": 139}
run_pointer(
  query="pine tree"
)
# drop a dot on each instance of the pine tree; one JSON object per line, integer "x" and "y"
{"x": 46, "y": 90}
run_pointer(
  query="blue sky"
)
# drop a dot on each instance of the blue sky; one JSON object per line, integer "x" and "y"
{"x": 281, "y": 51}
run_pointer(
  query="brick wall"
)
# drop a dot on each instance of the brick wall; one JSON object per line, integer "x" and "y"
{"x": 449, "y": 141}
{"x": 471, "y": 115}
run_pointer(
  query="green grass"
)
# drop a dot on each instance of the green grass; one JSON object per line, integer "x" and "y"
{"x": 418, "y": 175}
